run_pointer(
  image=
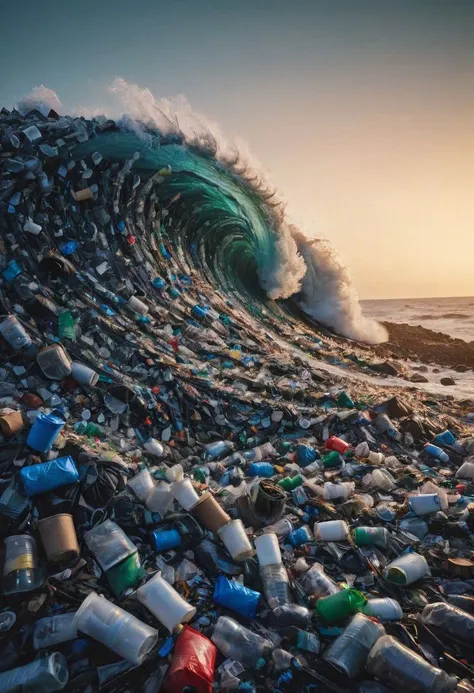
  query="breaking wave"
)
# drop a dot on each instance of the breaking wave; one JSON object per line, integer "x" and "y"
{"x": 219, "y": 211}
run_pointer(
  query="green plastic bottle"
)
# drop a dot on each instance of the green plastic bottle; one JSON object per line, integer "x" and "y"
{"x": 335, "y": 608}
{"x": 66, "y": 325}
{"x": 333, "y": 459}
{"x": 345, "y": 401}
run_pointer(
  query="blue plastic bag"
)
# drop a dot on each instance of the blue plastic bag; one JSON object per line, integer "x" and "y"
{"x": 306, "y": 455}
{"x": 47, "y": 476}
{"x": 236, "y": 597}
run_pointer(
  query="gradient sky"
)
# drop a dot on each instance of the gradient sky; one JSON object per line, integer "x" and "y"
{"x": 361, "y": 111}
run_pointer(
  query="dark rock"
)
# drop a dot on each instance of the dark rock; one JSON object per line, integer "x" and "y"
{"x": 460, "y": 368}
{"x": 386, "y": 368}
{"x": 436, "y": 370}
{"x": 415, "y": 427}
{"x": 418, "y": 378}
{"x": 447, "y": 381}
{"x": 421, "y": 369}
{"x": 396, "y": 408}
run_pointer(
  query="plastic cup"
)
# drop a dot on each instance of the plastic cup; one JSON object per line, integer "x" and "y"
{"x": 384, "y": 609}
{"x": 109, "y": 544}
{"x": 183, "y": 491}
{"x": 165, "y": 603}
{"x": 332, "y": 530}
{"x": 58, "y": 535}
{"x": 138, "y": 306}
{"x": 210, "y": 513}
{"x": 268, "y": 549}
{"x": 84, "y": 375}
{"x": 12, "y": 423}
{"x": 235, "y": 540}
{"x": 21, "y": 562}
{"x": 142, "y": 484}
{"x": 159, "y": 499}
{"x": 350, "y": 650}
{"x": 154, "y": 447}
{"x": 54, "y": 362}
{"x": 53, "y": 630}
{"x": 44, "y": 432}
{"x": 337, "y": 607}
{"x": 115, "y": 628}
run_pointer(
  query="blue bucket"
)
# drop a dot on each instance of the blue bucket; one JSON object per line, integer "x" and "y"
{"x": 44, "y": 432}
{"x": 164, "y": 539}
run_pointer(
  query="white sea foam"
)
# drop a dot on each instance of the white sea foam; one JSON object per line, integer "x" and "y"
{"x": 298, "y": 264}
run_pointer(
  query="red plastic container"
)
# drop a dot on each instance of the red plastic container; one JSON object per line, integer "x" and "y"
{"x": 334, "y": 443}
{"x": 193, "y": 663}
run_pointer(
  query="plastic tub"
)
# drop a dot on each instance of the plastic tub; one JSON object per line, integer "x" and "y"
{"x": 425, "y": 504}
{"x": 58, "y": 536}
{"x": 44, "y": 432}
{"x": 165, "y": 603}
{"x": 115, "y": 628}
{"x": 138, "y": 306}
{"x": 183, "y": 491}
{"x": 235, "y": 540}
{"x": 367, "y": 536}
{"x": 54, "y": 362}
{"x": 20, "y": 570}
{"x": 109, "y": 544}
{"x": 210, "y": 513}
{"x": 84, "y": 375}
{"x": 332, "y": 530}
{"x": 268, "y": 550}
{"x": 142, "y": 484}
{"x": 164, "y": 539}
{"x": 407, "y": 569}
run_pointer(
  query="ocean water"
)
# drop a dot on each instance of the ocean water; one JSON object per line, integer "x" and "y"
{"x": 452, "y": 316}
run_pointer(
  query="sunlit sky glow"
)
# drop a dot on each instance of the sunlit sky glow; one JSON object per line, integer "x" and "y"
{"x": 361, "y": 111}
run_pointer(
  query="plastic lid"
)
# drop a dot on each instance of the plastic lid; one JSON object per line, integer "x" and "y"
{"x": 7, "y": 621}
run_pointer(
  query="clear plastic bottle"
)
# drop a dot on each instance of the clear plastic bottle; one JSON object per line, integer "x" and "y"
{"x": 239, "y": 643}
{"x": 391, "y": 661}
{"x": 275, "y": 585}
{"x": 350, "y": 650}
{"x": 316, "y": 582}
{"x": 450, "y": 619}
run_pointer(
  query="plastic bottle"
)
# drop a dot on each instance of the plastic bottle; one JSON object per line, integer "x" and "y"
{"x": 391, "y": 661}
{"x": 450, "y": 619}
{"x": 280, "y": 528}
{"x": 291, "y": 615}
{"x": 239, "y": 643}
{"x": 45, "y": 675}
{"x": 276, "y": 585}
{"x": 334, "y": 491}
{"x": 259, "y": 453}
{"x": 316, "y": 582}
{"x": 14, "y": 333}
{"x": 337, "y": 444}
{"x": 66, "y": 325}
{"x": 215, "y": 450}
{"x": 261, "y": 469}
{"x": 337, "y": 607}
{"x": 350, "y": 650}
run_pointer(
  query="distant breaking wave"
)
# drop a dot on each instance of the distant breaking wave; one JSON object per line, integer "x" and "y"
{"x": 445, "y": 316}
{"x": 225, "y": 215}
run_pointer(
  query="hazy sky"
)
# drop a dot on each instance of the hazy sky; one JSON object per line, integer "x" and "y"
{"x": 362, "y": 111}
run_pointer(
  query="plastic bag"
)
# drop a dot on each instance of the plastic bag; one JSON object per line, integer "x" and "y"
{"x": 236, "y": 597}
{"x": 192, "y": 664}
{"x": 47, "y": 476}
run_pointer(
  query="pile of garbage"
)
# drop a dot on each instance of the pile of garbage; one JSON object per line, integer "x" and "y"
{"x": 188, "y": 506}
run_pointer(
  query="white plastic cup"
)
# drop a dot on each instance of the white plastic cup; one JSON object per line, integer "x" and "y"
{"x": 375, "y": 457}
{"x": 31, "y": 227}
{"x": 332, "y": 491}
{"x": 407, "y": 569}
{"x": 165, "y": 603}
{"x": 183, "y": 491}
{"x": 268, "y": 549}
{"x": 281, "y": 528}
{"x": 115, "y": 628}
{"x": 383, "y": 609}
{"x": 235, "y": 540}
{"x": 142, "y": 485}
{"x": 83, "y": 375}
{"x": 425, "y": 504}
{"x": 138, "y": 306}
{"x": 160, "y": 498}
{"x": 154, "y": 447}
{"x": 332, "y": 530}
